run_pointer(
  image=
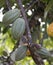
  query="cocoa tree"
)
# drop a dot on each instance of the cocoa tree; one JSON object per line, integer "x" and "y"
{"x": 25, "y": 30}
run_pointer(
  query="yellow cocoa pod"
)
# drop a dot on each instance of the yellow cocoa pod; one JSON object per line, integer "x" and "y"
{"x": 50, "y": 30}
{"x": 28, "y": 53}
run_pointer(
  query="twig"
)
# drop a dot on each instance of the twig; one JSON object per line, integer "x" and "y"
{"x": 31, "y": 5}
{"x": 8, "y": 4}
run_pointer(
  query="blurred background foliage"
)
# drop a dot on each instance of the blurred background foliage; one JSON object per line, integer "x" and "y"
{"x": 37, "y": 27}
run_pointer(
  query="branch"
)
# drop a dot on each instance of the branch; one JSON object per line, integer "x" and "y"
{"x": 26, "y": 21}
{"x": 35, "y": 57}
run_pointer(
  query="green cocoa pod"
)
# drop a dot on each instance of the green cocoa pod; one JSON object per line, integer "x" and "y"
{"x": 10, "y": 16}
{"x": 20, "y": 53}
{"x": 18, "y": 28}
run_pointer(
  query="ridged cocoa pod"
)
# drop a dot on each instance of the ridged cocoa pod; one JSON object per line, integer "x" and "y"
{"x": 18, "y": 28}
{"x": 10, "y": 16}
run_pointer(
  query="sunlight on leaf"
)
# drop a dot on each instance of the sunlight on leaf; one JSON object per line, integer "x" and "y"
{"x": 46, "y": 62}
{"x": 48, "y": 43}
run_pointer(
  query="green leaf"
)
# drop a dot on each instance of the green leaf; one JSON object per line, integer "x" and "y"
{"x": 5, "y": 53}
{"x": 35, "y": 34}
{"x": 48, "y": 7}
{"x": 5, "y": 29}
{"x": 2, "y": 3}
{"x": 45, "y": 1}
